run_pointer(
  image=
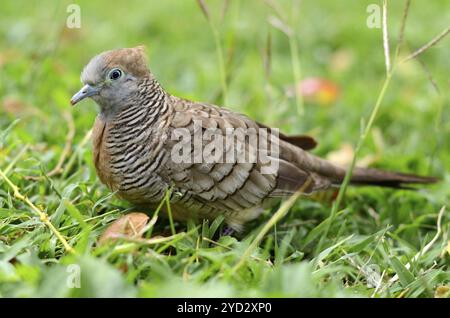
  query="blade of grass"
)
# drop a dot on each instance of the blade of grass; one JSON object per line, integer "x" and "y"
{"x": 169, "y": 211}
{"x": 219, "y": 50}
{"x": 277, "y": 216}
{"x": 42, "y": 215}
{"x": 367, "y": 128}
{"x": 387, "y": 53}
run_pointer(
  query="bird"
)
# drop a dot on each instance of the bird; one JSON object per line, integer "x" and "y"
{"x": 136, "y": 155}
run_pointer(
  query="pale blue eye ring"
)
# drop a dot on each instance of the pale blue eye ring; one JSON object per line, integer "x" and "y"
{"x": 115, "y": 74}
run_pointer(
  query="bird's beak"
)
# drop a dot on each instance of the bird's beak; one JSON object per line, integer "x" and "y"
{"x": 86, "y": 91}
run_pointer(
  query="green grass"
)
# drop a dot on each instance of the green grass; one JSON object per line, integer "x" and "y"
{"x": 375, "y": 233}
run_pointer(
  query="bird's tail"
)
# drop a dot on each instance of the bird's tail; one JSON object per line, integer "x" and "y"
{"x": 363, "y": 176}
{"x": 368, "y": 176}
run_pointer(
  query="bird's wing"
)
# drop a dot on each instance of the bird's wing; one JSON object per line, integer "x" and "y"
{"x": 302, "y": 141}
{"x": 227, "y": 184}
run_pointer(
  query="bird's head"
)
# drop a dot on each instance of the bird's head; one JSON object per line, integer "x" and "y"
{"x": 112, "y": 77}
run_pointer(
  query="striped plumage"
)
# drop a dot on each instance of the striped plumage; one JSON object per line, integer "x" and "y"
{"x": 132, "y": 142}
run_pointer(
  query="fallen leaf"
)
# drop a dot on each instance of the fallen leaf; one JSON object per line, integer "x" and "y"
{"x": 342, "y": 60}
{"x": 131, "y": 225}
{"x": 13, "y": 105}
{"x": 70, "y": 35}
{"x": 344, "y": 156}
{"x": 8, "y": 56}
{"x": 442, "y": 292}
{"x": 316, "y": 91}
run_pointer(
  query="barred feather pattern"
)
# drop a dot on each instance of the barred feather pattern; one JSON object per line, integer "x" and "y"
{"x": 133, "y": 147}
{"x": 137, "y": 149}
{"x": 135, "y": 142}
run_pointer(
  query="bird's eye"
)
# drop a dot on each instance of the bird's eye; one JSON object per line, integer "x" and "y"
{"x": 115, "y": 74}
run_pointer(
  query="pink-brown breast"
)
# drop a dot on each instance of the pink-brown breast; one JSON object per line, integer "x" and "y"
{"x": 101, "y": 156}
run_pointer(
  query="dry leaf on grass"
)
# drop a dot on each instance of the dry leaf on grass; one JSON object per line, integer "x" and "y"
{"x": 8, "y": 56}
{"x": 344, "y": 155}
{"x": 131, "y": 225}
{"x": 13, "y": 105}
{"x": 316, "y": 91}
{"x": 342, "y": 60}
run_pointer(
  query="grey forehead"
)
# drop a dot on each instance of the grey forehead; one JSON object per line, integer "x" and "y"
{"x": 94, "y": 71}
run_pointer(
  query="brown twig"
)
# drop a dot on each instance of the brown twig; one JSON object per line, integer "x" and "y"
{"x": 223, "y": 12}
{"x": 204, "y": 8}
{"x": 401, "y": 33}
{"x": 429, "y": 76}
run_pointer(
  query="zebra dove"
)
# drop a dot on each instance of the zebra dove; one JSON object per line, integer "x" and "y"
{"x": 134, "y": 149}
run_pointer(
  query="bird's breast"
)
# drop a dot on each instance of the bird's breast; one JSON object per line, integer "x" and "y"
{"x": 101, "y": 155}
{"x": 128, "y": 159}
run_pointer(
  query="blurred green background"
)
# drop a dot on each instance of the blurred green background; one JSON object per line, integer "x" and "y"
{"x": 40, "y": 63}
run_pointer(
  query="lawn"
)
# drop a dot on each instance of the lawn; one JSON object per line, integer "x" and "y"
{"x": 247, "y": 56}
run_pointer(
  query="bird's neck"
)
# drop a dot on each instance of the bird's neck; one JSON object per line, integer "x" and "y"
{"x": 149, "y": 94}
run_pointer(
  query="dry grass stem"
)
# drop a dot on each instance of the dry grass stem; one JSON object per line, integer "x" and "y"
{"x": 387, "y": 53}
{"x": 430, "y": 44}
